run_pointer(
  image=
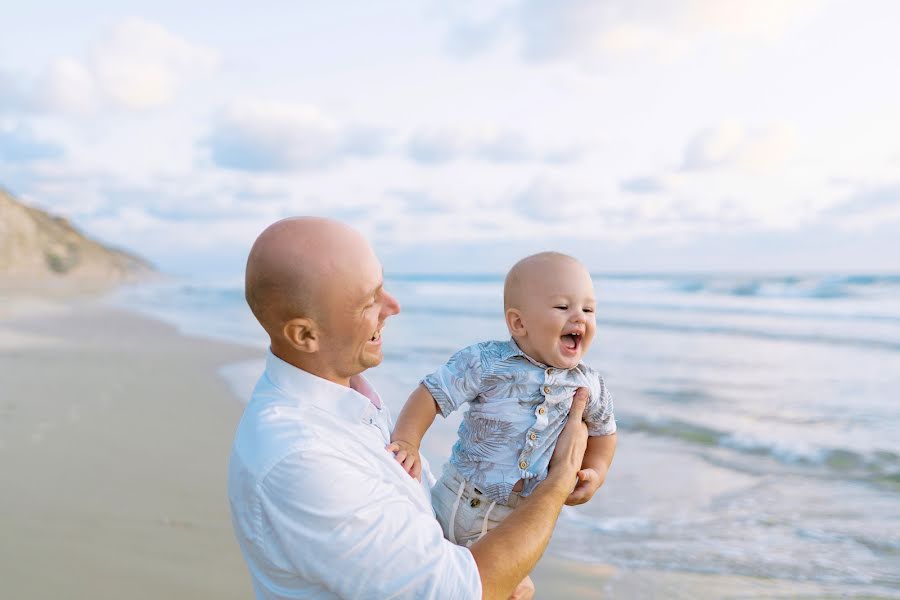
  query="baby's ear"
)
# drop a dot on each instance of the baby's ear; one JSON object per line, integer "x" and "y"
{"x": 514, "y": 322}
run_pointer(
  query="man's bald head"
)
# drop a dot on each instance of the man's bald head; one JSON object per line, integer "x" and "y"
{"x": 295, "y": 264}
{"x": 527, "y": 272}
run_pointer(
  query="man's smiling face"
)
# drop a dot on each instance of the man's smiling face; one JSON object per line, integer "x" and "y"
{"x": 353, "y": 321}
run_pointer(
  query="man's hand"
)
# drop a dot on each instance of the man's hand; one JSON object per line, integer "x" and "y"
{"x": 408, "y": 456}
{"x": 572, "y": 442}
{"x": 589, "y": 481}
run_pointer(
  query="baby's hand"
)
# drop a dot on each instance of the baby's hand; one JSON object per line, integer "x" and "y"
{"x": 589, "y": 481}
{"x": 408, "y": 457}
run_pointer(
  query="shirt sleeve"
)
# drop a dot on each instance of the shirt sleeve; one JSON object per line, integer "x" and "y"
{"x": 458, "y": 381}
{"x": 599, "y": 412}
{"x": 340, "y": 526}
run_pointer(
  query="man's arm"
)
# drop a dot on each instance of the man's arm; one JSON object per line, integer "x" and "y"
{"x": 597, "y": 459}
{"x": 416, "y": 417}
{"x": 506, "y": 554}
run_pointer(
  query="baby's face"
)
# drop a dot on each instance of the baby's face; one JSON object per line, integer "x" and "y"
{"x": 557, "y": 310}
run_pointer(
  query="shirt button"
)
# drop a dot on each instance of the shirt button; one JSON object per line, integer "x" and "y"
{"x": 549, "y": 371}
{"x": 532, "y": 436}
{"x": 475, "y": 502}
{"x": 523, "y": 464}
{"x": 546, "y": 389}
{"x": 542, "y": 410}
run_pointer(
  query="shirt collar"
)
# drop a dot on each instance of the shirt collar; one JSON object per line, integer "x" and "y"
{"x": 308, "y": 389}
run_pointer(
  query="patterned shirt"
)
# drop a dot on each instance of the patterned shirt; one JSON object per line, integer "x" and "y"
{"x": 517, "y": 409}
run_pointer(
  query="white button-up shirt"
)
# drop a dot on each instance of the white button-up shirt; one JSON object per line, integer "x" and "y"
{"x": 320, "y": 508}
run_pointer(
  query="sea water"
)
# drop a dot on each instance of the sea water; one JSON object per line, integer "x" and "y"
{"x": 759, "y": 417}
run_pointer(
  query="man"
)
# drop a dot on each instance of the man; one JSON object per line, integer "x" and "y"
{"x": 320, "y": 508}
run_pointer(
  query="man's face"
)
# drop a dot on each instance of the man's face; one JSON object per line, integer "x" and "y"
{"x": 352, "y": 325}
{"x": 558, "y": 314}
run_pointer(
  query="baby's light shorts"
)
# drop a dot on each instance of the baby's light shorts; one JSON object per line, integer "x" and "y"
{"x": 465, "y": 514}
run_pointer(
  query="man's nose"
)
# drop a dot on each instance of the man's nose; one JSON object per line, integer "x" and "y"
{"x": 391, "y": 306}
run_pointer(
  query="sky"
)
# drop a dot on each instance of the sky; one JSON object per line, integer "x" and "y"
{"x": 639, "y": 135}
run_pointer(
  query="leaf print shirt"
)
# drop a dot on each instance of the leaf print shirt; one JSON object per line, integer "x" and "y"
{"x": 517, "y": 409}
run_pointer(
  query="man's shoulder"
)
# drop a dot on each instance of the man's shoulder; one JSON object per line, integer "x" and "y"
{"x": 272, "y": 433}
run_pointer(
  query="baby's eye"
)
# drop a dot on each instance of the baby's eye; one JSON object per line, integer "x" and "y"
{"x": 588, "y": 310}
{"x": 561, "y": 307}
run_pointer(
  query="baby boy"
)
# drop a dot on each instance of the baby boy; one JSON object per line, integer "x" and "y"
{"x": 519, "y": 394}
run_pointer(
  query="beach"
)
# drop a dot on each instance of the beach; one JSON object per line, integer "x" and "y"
{"x": 115, "y": 430}
{"x": 114, "y": 440}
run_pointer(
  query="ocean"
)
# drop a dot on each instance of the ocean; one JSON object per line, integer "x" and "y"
{"x": 759, "y": 416}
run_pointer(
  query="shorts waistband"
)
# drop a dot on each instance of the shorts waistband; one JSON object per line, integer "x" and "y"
{"x": 452, "y": 473}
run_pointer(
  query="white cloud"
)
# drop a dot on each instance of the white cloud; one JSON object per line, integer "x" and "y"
{"x": 66, "y": 86}
{"x": 730, "y": 144}
{"x": 488, "y": 143}
{"x": 271, "y": 136}
{"x": 587, "y": 30}
{"x": 140, "y": 64}
{"x": 544, "y": 200}
{"x": 134, "y": 64}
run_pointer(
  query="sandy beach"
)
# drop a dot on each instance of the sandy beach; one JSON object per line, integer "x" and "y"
{"x": 114, "y": 437}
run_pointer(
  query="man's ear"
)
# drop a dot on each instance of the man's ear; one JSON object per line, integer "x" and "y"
{"x": 302, "y": 334}
{"x": 514, "y": 322}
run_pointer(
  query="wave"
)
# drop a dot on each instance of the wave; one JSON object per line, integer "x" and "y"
{"x": 821, "y": 287}
{"x": 725, "y": 330}
{"x": 880, "y": 467}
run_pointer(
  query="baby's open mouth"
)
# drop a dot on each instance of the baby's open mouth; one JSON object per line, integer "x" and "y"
{"x": 571, "y": 341}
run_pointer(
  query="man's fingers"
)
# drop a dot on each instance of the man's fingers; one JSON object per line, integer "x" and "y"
{"x": 579, "y": 402}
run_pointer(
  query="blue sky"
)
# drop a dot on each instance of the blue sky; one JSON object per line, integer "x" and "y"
{"x": 639, "y": 135}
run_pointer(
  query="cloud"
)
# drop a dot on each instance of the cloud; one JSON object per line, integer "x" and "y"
{"x": 731, "y": 144}
{"x": 644, "y": 185}
{"x": 66, "y": 86}
{"x": 587, "y": 30}
{"x": 545, "y": 200}
{"x": 12, "y": 94}
{"x": 140, "y": 64}
{"x": 491, "y": 144}
{"x": 869, "y": 200}
{"x": 135, "y": 65}
{"x": 19, "y": 145}
{"x": 268, "y": 136}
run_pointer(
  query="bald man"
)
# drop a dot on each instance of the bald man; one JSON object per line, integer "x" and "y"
{"x": 320, "y": 507}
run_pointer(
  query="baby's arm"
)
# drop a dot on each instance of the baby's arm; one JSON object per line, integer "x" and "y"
{"x": 416, "y": 417}
{"x": 597, "y": 459}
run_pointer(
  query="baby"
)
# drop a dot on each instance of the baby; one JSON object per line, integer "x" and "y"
{"x": 519, "y": 394}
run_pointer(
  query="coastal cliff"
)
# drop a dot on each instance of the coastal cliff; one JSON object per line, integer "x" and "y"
{"x": 38, "y": 248}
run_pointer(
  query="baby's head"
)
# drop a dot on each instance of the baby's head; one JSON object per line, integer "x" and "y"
{"x": 549, "y": 303}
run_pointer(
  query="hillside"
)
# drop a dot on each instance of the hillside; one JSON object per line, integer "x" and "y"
{"x": 37, "y": 247}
